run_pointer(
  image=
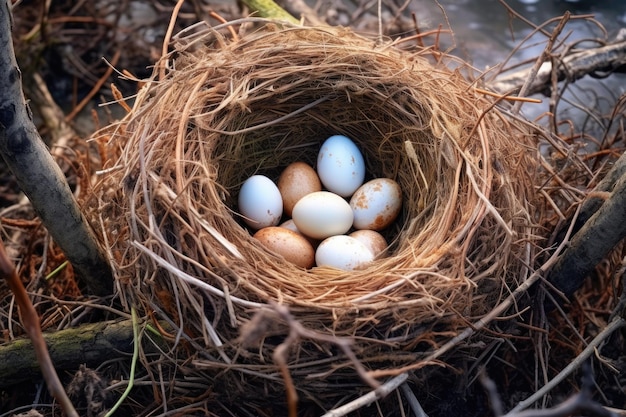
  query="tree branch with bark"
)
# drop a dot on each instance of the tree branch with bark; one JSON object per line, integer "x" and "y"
{"x": 38, "y": 175}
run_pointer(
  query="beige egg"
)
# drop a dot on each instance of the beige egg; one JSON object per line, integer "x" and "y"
{"x": 373, "y": 240}
{"x": 292, "y": 246}
{"x": 296, "y": 181}
{"x": 322, "y": 214}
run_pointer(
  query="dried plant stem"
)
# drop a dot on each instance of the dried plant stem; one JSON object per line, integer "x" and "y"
{"x": 30, "y": 320}
{"x": 168, "y": 36}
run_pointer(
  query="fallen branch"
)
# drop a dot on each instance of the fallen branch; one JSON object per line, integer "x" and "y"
{"x": 90, "y": 344}
{"x": 605, "y": 59}
{"x": 599, "y": 235}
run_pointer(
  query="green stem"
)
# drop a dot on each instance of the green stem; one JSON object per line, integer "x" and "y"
{"x": 133, "y": 364}
{"x": 270, "y": 10}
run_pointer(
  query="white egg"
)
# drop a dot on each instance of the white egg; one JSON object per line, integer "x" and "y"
{"x": 322, "y": 214}
{"x": 260, "y": 202}
{"x": 340, "y": 165}
{"x": 343, "y": 252}
{"x": 376, "y": 204}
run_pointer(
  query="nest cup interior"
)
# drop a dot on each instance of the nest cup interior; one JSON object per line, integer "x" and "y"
{"x": 299, "y": 137}
{"x": 230, "y": 109}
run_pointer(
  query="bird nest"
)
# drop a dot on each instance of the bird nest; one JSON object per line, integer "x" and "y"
{"x": 228, "y": 108}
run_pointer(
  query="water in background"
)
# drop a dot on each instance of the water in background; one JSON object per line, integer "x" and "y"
{"x": 485, "y": 35}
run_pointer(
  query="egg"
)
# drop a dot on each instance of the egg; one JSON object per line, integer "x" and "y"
{"x": 374, "y": 241}
{"x": 291, "y": 225}
{"x": 260, "y": 202}
{"x": 292, "y": 246}
{"x": 296, "y": 181}
{"x": 376, "y": 204}
{"x": 340, "y": 165}
{"x": 322, "y": 214}
{"x": 343, "y": 252}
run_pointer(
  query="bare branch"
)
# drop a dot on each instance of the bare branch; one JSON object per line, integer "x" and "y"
{"x": 40, "y": 177}
{"x": 572, "y": 67}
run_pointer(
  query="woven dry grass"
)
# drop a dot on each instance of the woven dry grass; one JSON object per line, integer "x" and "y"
{"x": 227, "y": 109}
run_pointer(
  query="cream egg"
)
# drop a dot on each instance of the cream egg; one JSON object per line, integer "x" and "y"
{"x": 296, "y": 181}
{"x": 260, "y": 202}
{"x": 322, "y": 214}
{"x": 374, "y": 241}
{"x": 292, "y": 246}
{"x": 343, "y": 252}
{"x": 340, "y": 165}
{"x": 376, "y": 204}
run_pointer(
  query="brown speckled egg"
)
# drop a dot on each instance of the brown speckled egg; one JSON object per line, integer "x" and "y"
{"x": 296, "y": 181}
{"x": 376, "y": 204}
{"x": 373, "y": 240}
{"x": 292, "y": 246}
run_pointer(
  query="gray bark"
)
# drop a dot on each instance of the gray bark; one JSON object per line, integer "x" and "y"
{"x": 39, "y": 177}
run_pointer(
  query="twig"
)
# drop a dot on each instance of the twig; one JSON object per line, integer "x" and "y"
{"x": 535, "y": 69}
{"x": 492, "y": 392}
{"x": 365, "y": 400}
{"x": 255, "y": 329}
{"x": 617, "y": 323}
{"x": 30, "y": 320}
{"x": 412, "y": 400}
{"x": 575, "y": 405}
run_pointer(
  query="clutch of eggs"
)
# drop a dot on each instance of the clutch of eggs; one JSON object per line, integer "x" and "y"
{"x": 318, "y": 212}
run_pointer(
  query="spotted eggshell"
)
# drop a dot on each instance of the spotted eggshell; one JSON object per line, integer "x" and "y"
{"x": 374, "y": 241}
{"x": 343, "y": 252}
{"x": 292, "y": 246}
{"x": 296, "y": 181}
{"x": 376, "y": 204}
